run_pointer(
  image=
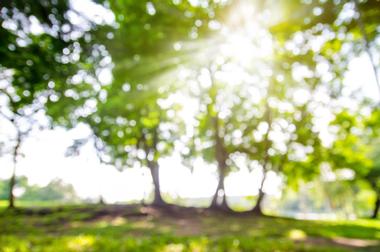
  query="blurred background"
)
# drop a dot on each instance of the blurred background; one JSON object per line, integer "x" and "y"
{"x": 263, "y": 106}
{"x": 189, "y": 125}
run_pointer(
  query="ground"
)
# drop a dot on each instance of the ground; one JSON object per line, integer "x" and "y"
{"x": 142, "y": 228}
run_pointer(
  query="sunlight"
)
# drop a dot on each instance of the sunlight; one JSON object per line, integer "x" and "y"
{"x": 134, "y": 108}
{"x": 297, "y": 234}
{"x": 81, "y": 243}
{"x": 238, "y": 48}
{"x": 245, "y": 36}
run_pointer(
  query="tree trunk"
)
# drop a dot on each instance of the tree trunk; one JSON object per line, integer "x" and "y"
{"x": 220, "y": 191}
{"x": 12, "y": 181}
{"x": 11, "y": 197}
{"x": 376, "y": 207}
{"x": 257, "y": 209}
{"x": 366, "y": 41}
{"x": 154, "y": 168}
{"x": 221, "y": 159}
{"x": 154, "y": 171}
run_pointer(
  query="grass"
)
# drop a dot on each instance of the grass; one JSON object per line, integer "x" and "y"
{"x": 25, "y": 203}
{"x": 136, "y": 228}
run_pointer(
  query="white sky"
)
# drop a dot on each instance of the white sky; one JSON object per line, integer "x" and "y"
{"x": 44, "y": 160}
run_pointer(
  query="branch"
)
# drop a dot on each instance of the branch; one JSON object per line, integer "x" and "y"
{"x": 98, "y": 152}
{"x": 367, "y": 43}
{"x": 244, "y": 150}
{"x": 11, "y": 119}
{"x": 6, "y": 93}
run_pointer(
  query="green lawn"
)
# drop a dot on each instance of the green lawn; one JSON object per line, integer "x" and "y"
{"x": 135, "y": 228}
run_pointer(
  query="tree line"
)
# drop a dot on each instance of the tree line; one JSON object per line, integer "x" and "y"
{"x": 259, "y": 85}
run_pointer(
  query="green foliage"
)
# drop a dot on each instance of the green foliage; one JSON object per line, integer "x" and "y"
{"x": 356, "y": 145}
{"x": 55, "y": 191}
{"x": 350, "y": 149}
{"x": 4, "y": 190}
{"x": 26, "y": 53}
{"x": 150, "y": 27}
{"x": 130, "y": 120}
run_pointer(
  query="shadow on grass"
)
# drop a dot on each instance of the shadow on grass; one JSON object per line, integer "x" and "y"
{"x": 137, "y": 228}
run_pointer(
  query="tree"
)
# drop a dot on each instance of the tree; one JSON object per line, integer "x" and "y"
{"x": 132, "y": 130}
{"x": 345, "y": 30}
{"x": 131, "y": 125}
{"x": 34, "y": 35}
{"x": 373, "y": 176}
{"x": 335, "y": 33}
{"x": 236, "y": 115}
{"x": 210, "y": 132}
{"x": 356, "y": 147}
{"x": 56, "y": 190}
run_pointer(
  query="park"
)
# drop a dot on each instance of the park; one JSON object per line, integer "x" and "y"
{"x": 189, "y": 125}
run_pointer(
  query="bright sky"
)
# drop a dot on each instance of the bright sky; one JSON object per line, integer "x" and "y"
{"x": 44, "y": 157}
{"x": 44, "y": 160}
